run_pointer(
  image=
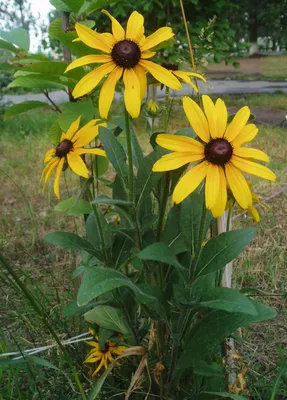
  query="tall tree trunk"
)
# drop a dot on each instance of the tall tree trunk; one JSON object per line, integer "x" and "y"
{"x": 253, "y": 34}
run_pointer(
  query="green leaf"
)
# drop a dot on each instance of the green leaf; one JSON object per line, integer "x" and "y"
{"x": 60, "y": 5}
{"x": 146, "y": 178}
{"x": 108, "y": 200}
{"x": 97, "y": 281}
{"x": 18, "y": 36}
{"x": 99, "y": 4}
{"x": 33, "y": 81}
{"x": 222, "y": 249}
{"x": 60, "y": 79}
{"x": 74, "y": 206}
{"x": 138, "y": 155}
{"x": 55, "y": 133}
{"x": 160, "y": 252}
{"x": 186, "y": 132}
{"x": 216, "y": 326}
{"x": 8, "y": 46}
{"x": 54, "y": 68}
{"x": 72, "y": 309}
{"x": 204, "y": 369}
{"x": 190, "y": 219}
{"x": 66, "y": 39}
{"x": 42, "y": 362}
{"x": 115, "y": 152}
{"x": 72, "y": 111}
{"x": 21, "y": 108}
{"x": 70, "y": 241}
{"x": 226, "y": 299}
{"x": 172, "y": 234}
{"x": 93, "y": 232}
{"x": 74, "y": 5}
{"x": 108, "y": 317}
{"x": 101, "y": 165}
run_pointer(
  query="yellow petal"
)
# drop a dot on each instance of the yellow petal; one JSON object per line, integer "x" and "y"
{"x": 49, "y": 155}
{"x": 72, "y": 130}
{"x": 254, "y": 213}
{"x": 238, "y": 186}
{"x": 161, "y": 74}
{"x": 132, "y": 92}
{"x": 135, "y": 27}
{"x": 49, "y": 172}
{"x": 159, "y": 36}
{"x": 86, "y": 137}
{"x": 91, "y": 80}
{"x": 180, "y": 143}
{"x": 57, "y": 178}
{"x": 247, "y": 134}
{"x": 189, "y": 182}
{"x": 108, "y": 91}
{"x": 92, "y": 359}
{"x": 109, "y": 39}
{"x": 117, "y": 29}
{"x": 196, "y": 118}
{"x": 184, "y": 76}
{"x": 83, "y": 130}
{"x": 46, "y": 168}
{"x": 97, "y": 152}
{"x": 250, "y": 153}
{"x": 212, "y": 185}
{"x": 147, "y": 54}
{"x": 220, "y": 204}
{"x": 238, "y": 123}
{"x": 174, "y": 160}
{"x": 222, "y": 116}
{"x": 92, "y": 38}
{"x": 196, "y": 75}
{"x": 210, "y": 112}
{"x": 77, "y": 165}
{"x": 253, "y": 168}
{"x": 141, "y": 74}
{"x": 99, "y": 367}
{"x": 90, "y": 59}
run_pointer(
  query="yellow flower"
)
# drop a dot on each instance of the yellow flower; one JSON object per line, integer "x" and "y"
{"x": 152, "y": 107}
{"x": 69, "y": 151}
{"x": 104, "y": 355}
{"x": 183, "y": 75}
{"x": 253, "y": 210}
{"x": 221, "y": 155}
{"x": 126, "y": 56}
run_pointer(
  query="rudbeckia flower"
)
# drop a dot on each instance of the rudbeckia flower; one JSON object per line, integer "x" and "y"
{"x": 69, "y": 151}
{"x": 152, "y": 107}
{"x": 184, "y": 75}
{"x": 220, "y": 155}
{"x": 103, "y": 355}
{"x": 126, "y": 55}
{"x": 253, "y": 211}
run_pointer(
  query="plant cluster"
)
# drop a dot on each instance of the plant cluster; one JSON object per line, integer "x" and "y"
{"x": 152, "y": 275}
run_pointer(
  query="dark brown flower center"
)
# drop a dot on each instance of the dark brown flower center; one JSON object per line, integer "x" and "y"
{"x": 126, "y": 53}
{"x": 63, "y": 148}
{"x": 105, "y": 348}
{"x": 171, "y": 67}
{"x": 218, "y": 151}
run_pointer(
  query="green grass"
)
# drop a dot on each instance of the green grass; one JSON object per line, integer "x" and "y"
{"x": 262, "y": 100}
{"x": 26, "y": 216}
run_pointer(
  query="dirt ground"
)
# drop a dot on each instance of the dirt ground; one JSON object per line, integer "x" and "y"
{"x": 257, "y": 66}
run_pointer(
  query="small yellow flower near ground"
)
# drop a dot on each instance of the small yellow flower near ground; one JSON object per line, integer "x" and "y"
{"x": 104, "y": 355}
{"x": 127, "y": 54}
{"x": 183, "y": 75}
{"x": 221, "y": 155}
{"x": 152, "y": 107}
{"x": 69, "y": 151}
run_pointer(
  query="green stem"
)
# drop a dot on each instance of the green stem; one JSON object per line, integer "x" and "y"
{"x": 99, "y": 225}
{"x": 166, "y": 117}
{"x": 162, "y": 205}
{"x": 130, "y": 156}
{"x": 200, "y": 240}
{"x": 42, "y": 315}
